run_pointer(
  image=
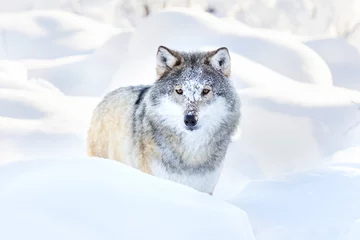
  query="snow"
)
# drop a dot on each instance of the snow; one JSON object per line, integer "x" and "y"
{"x": 303, "y": 64}
{"x": 89, "y": 76}
{"x": 354, "y": 231}
{"x": 293, "y": 167}
{"x": 318, "y": 204}
{"x": 102, "y": 199}
{"x": 289, "y": 129}
{"x": 36, "y": 116}
{"x": 49, "y": 34}
{"x": 343, "y": 60}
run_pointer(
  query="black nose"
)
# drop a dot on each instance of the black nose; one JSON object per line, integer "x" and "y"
{"x": 190, "y": 120}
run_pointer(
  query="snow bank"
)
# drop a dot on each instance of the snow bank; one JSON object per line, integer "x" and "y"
{"x": 14, "y": 75}
{"x": 33, "y": 124}
{"x": 354, "y": 232}
{"x": 91, "y": 198}
{"x": 314, "y": 205}
{"x": 49, "y": 34}
{"x": 91, "y": 75}
{"x": 289, "y": 128}
{"x": 203, "y": 31}
{"x": 36, "y": 118}
{"x": 348, "y": 155}
{"x": 342, "y": 57}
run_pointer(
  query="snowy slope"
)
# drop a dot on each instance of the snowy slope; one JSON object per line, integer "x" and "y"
{"x": 203, "y": 31}
{"x": 316, "y": 205}
{"x": 89, "y": 76}
{"x": 92, "y": 199}
{"x": 343, "y": 60}
{"x": 289, "y": 128}
{"x": 36, "y": 118}
{"x": 49, "y": 34}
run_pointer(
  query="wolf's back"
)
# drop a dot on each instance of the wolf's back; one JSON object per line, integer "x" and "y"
{"x": 110, "y": 132}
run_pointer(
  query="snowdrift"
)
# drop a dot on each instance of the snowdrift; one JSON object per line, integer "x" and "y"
{"x": 319, "y": 204}
{"x": 49, "y": 34}
{"x": 343, "y": 60}
{"x": 91, "y": 198}
{"x": 37, "y": 119}
{"x": 191, "y": 30}
{"x": 90, "y": 75}
{"x": 285, "y": 129}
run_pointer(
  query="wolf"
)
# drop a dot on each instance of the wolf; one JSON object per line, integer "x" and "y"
{"x": 178, "y": 128}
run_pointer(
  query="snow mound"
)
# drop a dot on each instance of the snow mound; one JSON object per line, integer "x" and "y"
{"x": 37, "y": 119}
{"x": 14, "y": 75}
{"x": 33, "y": 124}
{"x": 201, "y": 31}
{"x": 354, "y": 233}
{"x": 288, "y": 128}
{"x": 343, "y": 60}
{"x": 92, "y": 198}
{"x": 91, "y": 75}
{"x": 49, "y": 34}
{"x": 314, "y": 205}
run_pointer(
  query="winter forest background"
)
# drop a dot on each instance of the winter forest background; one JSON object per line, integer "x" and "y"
{"x": 292, "y": 172}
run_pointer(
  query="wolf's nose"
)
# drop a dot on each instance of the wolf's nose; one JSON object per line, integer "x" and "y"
{"x": 190, "y": 120}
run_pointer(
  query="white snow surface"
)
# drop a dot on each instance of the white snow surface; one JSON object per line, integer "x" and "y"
{"x": 49, "y": 34}
{"x": 203, "y": 31}
{"x": 293, "y": 168}
{"x": 313, "y": 205}
{"x": 90, "y": 198}
{"x": 343, "y": 60}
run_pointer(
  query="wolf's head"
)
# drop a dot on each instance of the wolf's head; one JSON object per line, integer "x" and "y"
{"x": 193, "y": 91}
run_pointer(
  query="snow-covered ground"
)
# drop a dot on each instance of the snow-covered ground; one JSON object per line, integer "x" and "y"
{"x": 91, "y": 198}
{"x": 291, "y": 173}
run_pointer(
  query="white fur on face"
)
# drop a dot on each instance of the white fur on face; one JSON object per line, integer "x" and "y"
{"x": 171, "y": 113}
{"x": 209, "y": 120}
{"x": 210, "y": 117}
{"x": 196, "y": 142}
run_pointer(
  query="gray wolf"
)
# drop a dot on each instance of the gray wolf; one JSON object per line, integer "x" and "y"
{"x": 177, "y": 129}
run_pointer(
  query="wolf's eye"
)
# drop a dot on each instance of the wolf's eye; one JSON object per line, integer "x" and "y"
{"x": 205, "y": 91}
{"x": 179, "y": 91}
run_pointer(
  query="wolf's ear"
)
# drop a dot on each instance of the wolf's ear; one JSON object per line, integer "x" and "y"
{"x": 220, "y": 60}
{"x": 166, "y": 59}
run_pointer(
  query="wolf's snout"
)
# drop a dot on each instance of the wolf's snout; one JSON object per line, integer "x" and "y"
{"x": 190, "y": 120}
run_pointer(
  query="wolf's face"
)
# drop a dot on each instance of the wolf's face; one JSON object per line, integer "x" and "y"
{"x": 193, "y": 91}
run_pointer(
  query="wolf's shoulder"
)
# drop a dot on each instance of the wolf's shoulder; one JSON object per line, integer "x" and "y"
{"x": 129, "y": 93}
{"x": 129, "y": 90}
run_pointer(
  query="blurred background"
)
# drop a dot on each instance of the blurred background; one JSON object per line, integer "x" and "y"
{"x": 332, "y": 18}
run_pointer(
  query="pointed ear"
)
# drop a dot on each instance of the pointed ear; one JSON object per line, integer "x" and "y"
{"x": 220, "y": 60}
{"x": 166, "y": 59}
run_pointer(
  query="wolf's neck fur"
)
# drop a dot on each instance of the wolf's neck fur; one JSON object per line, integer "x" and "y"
{"x": 194, "y": 152}
{"x": 193, "y": 158}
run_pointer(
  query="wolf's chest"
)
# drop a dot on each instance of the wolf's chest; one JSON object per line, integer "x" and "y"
{"x": 204, "y": 182}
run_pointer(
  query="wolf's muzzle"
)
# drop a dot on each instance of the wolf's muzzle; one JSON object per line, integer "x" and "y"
{"x": 190, "y": 120}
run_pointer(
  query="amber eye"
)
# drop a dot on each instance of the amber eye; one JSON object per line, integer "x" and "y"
{"x": 179, "y": 91}
{"x": 205, "y": 91}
